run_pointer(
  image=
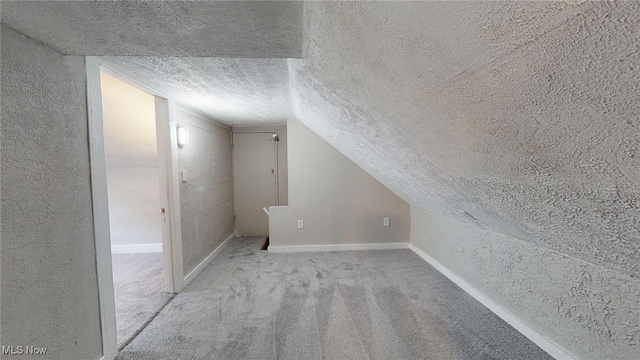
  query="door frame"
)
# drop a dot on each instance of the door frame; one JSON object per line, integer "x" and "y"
{"x": 169, "y": 198}
{"x": 239, "y": 130}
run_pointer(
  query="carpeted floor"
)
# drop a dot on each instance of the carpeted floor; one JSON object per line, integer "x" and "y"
{"x": 139, "y": 290}
{"x": 248, "y": 304}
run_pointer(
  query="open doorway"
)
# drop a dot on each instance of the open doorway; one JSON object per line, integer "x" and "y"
{"x": 255, "y": 181}
{"x": 260, "y": 177}
{"x": 133, "y": 172}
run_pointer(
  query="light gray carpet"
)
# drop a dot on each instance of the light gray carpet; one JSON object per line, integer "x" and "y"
{"x": 139, "y": 290}
{"x": 248, "y": 304}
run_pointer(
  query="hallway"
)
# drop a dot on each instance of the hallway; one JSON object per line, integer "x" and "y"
{"x": 248, "y": 304}
{"x": 139, "y": 289}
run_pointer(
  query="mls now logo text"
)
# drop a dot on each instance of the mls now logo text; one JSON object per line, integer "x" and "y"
{"x": 23, "y": 350}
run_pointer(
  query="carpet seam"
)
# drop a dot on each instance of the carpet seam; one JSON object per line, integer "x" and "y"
{"x": 137, "y": 332}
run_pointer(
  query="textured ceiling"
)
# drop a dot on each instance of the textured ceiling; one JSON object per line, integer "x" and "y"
{"x": 171, "y": 28}
{"x": 523, "y": 114}
{"x": 237, "y": 92}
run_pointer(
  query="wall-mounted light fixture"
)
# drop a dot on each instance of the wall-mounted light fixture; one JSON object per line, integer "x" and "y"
{"x": 183, "y": 136}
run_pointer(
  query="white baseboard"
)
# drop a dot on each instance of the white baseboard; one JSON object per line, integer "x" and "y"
{"x": 136, "y": 248}
{"x": 546, "y": 344}
{"x": 340, "y": 247}
{"x": 206, "y": 261}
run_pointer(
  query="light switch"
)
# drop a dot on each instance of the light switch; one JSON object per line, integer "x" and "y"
{"x": 183, "y": 175}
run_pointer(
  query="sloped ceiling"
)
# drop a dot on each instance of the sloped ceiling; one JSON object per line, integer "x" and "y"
{"x": 237, "y": 92}
{"x": 523, "y": 114}
{"x": 162, "y": 28}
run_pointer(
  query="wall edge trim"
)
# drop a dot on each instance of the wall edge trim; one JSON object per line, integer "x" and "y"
{"x": 336, "y": 247}
{"x": 546, "y": 344}
{"x": 203, "y": 264}
{"x": 100, "y": 209}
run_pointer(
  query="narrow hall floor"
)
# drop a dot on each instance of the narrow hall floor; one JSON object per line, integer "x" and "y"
{"x": 138, "y": 284}
{"x": 248, "y": 304}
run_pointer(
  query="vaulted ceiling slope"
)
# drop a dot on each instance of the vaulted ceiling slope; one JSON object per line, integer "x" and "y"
{"x": 523, "y": 114}
{"x": 237, "y": 92}
{"x": 162, "y": 28}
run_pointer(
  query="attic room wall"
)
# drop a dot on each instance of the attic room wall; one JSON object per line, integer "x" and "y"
{"x": 206, "y": 198}
{"x": 523, "y": 114}
{"x": 283, "y": 168}
{"x": 338, "y": 201}
{"x": 520, "y": 113}
{"x": 131, "y": 153}
{"x": 589, "y": 310}
{"x": 49, "y": 285}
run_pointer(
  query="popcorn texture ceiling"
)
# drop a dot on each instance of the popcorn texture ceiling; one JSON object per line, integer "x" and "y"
{"x": 237, "y": 92}
{"x": 171, "y": 28}
{"x": 524, "y": 115}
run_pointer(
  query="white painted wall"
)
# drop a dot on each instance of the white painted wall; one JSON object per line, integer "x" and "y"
{"x": 206, "y": 198}
{"x": 132, "y": 163}
{"x": 49, "y": 288}
{"x": 589, "y": 310}
{"x": 283, "y": 167}
{"x": 339, "y": 202}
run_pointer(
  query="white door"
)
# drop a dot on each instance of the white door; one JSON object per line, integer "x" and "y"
{"x": 254, "y": 181}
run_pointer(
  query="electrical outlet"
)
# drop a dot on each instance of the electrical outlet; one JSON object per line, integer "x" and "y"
{"x": 300, "y": 224}
{"x": 385, "y": 222}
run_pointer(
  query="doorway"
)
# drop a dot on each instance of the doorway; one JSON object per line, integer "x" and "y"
{"x": 135, "y": 210}
{"x": 255, "y": 181}
{"x": 166, "y": 153}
